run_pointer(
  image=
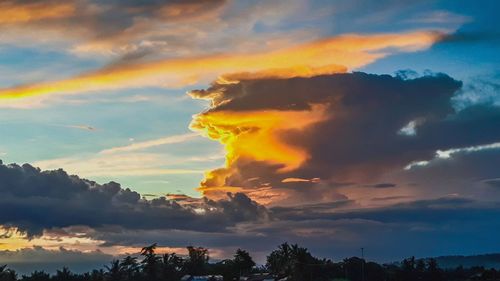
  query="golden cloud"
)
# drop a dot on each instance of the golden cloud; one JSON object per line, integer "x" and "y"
{"x": 14, "y": 13}
{"x": 326, "y": 56}
{"x": 255, "y": 134}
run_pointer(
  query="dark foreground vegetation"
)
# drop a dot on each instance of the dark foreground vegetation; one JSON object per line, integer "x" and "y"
{"x": 287, "y": 262}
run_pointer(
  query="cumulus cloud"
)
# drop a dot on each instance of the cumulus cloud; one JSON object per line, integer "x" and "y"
{"x": 340, "y": 128}
{"x": 35, "y": 200}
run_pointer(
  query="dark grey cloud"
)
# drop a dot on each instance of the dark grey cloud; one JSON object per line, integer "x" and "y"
{"x": 34, "y": 200}
{"x": 423, "y": 228}
{"x": 25, "y": 261}
{"x": 493, "y": 182}
{"x": 67, "y": 205}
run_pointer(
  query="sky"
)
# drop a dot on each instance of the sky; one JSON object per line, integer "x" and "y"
{"x": 244, "y": 124}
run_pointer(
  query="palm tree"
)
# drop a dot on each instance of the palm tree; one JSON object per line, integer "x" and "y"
{"x": 114, "y": 271}
{"x": 197, "y": 261}
{"x": 150, "y": 262}
{"x": 129, "y": 267}
{"x": 172, "y": 267}
{"x": 7, "y": 274}
{"x": 279, "y": 261}
{"x": 243, "y": 262}
{"x": 291, "y": 261}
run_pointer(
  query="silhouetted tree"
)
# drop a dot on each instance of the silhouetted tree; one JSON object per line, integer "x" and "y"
{"x": 434, "y": 273}
{"x": 197, "y": 261}
{"x": 115, "y": 272}
{"x": 37, "y": 276}
{"x": 64, "y": 275}
{"x": 7, "y": 274}
{"x": 172, "y": 267}
{"x": 150, "y": 262}
{"x": 129, "y": 267}
{"x": 96, "y": 275}
{"x": 243, "y": 262}
{"x": 292, "y": 261}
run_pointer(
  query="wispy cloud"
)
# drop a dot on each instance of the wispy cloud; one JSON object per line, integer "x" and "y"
{"x": 80, "y": 127}
{"x": 126, "y": 164}
{"x": 326, "y": 56}
{"x": 440, "y": 17}
{"x": 128, "y": 160}
{"x": 151, "y": 143}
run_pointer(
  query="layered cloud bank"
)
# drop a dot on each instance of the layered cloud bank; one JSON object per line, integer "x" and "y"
{"x": 76, "y": 212}
{"x": 35, "y": 201}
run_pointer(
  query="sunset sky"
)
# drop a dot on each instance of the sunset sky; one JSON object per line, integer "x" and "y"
{"x": 243, "y": 124}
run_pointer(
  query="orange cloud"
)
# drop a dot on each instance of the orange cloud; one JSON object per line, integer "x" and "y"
{"x": 326, "y": 56}
{"x": 13, "y": 13}
{"x": 255, "y": 134}
{"x": 288, "y": 180}
{"x": 264, "y": 195}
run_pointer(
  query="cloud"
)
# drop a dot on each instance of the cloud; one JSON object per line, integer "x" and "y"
{"x": 340, "y": 128}
{"x": 326, "y": 56}
{"x": 113, "y": 26}
{"x": 330, "y": 136}
{"x": 134, "y": 160}
{"x": 151, "y": 143}
{"x": 38, "y": 200}
{"x": 330, "y": 230}
{"x": 493, "y": 182}
{"x": 119, "y": 164}
{"x": 25, "y": 261}
{"x": 440, "y": 17}
{"x": 384, "y": 185}
{"x": 299, "y": 180}
{"x": 35, "y": 11}
{"x": 68, "y": 209}
{"x": 80, "y": 127}
{"x": 465, "y": 172}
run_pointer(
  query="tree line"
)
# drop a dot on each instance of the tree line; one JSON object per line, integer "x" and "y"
{"x": 288, "y": 261}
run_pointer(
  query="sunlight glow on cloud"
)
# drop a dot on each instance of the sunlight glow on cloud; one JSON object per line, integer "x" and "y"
{"x": 12, "y": 12}
{"x": 449, "y": 153}
{"x": 255, "y": 134}
{"x": 326, "y": 56}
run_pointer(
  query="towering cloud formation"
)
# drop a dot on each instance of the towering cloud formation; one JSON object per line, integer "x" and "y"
{"x": 301, "y": 137}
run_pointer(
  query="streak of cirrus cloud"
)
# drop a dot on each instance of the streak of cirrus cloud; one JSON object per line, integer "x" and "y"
{"x": 326, "y": 56}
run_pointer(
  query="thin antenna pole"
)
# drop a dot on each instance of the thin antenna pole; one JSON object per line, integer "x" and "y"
{"x": 362, "y": 264}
